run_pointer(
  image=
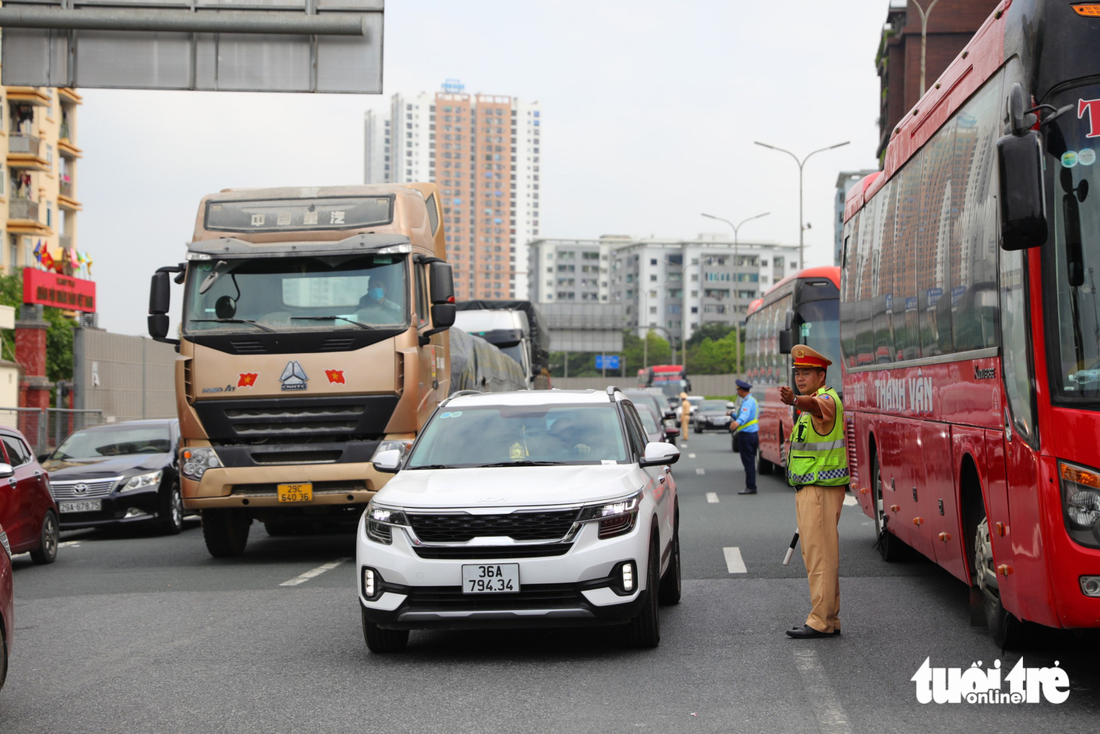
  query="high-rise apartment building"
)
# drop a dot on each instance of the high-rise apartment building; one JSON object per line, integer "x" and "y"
{"x": 483, "y": 152}
{"x": 39, "y": 185}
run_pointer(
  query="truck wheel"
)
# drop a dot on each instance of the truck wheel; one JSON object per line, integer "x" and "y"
{"x": 382, "y": 640}
{"x": 764, "y": 466}
{"x": 890, "y": 547}
{"x": 645, "y": 629}
{"x": 225, "y": 532}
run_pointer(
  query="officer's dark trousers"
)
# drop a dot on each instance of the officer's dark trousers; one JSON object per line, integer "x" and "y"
{"x": 749, "y": 444}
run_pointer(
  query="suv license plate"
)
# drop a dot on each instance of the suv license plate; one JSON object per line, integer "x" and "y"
{"x": 80, "y": 506}
{"x": 493, "y": 578}
{"x": 296, "y": 492}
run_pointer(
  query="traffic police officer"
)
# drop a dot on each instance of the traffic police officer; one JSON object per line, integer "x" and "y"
{"x": 685, "y": 416}
{"x": 817, "y": 467}
{"x": 746, "y": 431}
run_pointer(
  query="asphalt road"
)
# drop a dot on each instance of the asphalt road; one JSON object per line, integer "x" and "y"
{"x": 141, "y": 633}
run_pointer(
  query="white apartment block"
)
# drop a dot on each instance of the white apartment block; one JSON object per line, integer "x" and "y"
{"x": 483, "y": 152}
{"x": 572, "y": 271}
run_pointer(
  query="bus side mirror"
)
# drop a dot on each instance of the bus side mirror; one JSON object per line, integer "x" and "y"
{"x": 786, "y": 341}
{"x": 1023, "y": 215}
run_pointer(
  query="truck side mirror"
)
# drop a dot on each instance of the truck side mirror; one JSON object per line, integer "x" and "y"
{"x": 1023, "y": 215}
{"x": 443, "y": 315}
{"x": 786, "y": 341}
{"x": 160, "y": 298}
{"x": 443, "y": 286}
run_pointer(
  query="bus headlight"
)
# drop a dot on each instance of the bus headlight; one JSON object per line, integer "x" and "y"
{"x": 1081, "y": 501}
{"x": 197, "y": 461}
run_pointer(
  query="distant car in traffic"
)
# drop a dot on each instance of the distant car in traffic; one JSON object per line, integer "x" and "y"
{"x": 117, "y": 474}
{"x": 711, "y": 415}
{"x": 27, "y": 510}
{"x": 654, "y": 428}
{"x": 7, "y": 605}
{"x": 656, "y": 400}
{"x": 525, "y": 509}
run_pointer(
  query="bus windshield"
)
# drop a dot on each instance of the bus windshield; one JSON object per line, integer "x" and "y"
{"x": 1074, "y": 308}
{"x": 819, "y": 328}
{"x": 296, "y": 294}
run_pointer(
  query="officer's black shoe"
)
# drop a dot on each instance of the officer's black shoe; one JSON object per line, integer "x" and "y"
{"x": 807, "y": 632}
{"x": 747, "y": 491}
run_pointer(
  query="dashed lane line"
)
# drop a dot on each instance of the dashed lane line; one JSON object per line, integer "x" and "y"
{"x": 734, "y": 562}
{"x": 314, "y": 572}
{"x": 850, "y": 500}
{"x": 712, "y": 497}
{"x": 830, "y": 715}
{"x": 691, "y": 456}
{"x": 700, "y": 471}
{"x": 69, "y": 544}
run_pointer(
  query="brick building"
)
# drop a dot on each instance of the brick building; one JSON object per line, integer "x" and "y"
{"x": 951, "y": 24}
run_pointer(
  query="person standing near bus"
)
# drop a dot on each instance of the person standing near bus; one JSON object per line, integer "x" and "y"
{"x": 685, "y": 416}
{"x": 817, "y": 468}
{"x": 746, "y": 429}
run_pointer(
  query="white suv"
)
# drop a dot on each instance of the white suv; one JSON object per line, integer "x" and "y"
{"x": 531, "y": 509}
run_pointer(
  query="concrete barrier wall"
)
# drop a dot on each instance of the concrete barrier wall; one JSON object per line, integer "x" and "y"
{"x": 717, "y": 385}
{"x": 127, "y": 377}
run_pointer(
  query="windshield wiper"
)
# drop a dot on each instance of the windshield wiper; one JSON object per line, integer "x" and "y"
{"x": 432, "y": 466}
{"x": 517, "y": 463}
{"x": 330, "y": 318}
{"x": 232, "y": 321}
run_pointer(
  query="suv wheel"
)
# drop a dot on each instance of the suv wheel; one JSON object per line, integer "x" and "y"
{"x": 645, "y": 629}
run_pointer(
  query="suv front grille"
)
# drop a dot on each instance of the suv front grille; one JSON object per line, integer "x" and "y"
{"x": 460, "y": 528}
{"x": 494, "y": 552}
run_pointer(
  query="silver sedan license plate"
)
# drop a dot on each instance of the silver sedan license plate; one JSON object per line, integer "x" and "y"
{"x": 490, "y": 578}
{"x": 79, "y": 506}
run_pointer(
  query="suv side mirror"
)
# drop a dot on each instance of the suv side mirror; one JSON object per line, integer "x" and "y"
{"x": 6, "y": 470}
{"x": 388, "y": 462}
{"x": 659, "y": 453}
{"x": 1023, "y": 215}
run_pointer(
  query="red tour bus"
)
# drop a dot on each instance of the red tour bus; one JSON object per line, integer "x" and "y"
{"x": 670, "y": 378}
{"x": 970, "y": 323}
{"x": 805, "y": 304}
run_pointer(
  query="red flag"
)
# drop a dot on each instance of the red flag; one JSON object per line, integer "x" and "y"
{"x": 335, "y": 377}
{"x": 47, "y": 259}
{"x": 247, "y": 379}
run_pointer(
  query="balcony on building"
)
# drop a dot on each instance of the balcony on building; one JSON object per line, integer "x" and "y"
{"x": 24, "y": 218}
{"x": 66, "y": 143}
{"x": 66, "y": 199}
{"x": 25, "y": 152}
{"x": 34, "y": 96}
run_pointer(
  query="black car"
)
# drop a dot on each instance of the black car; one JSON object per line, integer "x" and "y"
{"x": 664, "y": 413}
{"x": 712, "y": 415}
{"x": 655, "y": 430}
{"x": 119, "y": 473}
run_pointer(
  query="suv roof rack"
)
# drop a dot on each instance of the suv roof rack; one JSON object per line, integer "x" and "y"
{"x": 611, "y": 390}
{"x": 458, "y": 394}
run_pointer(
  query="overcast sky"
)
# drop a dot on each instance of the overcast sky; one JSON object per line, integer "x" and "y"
{"x": 649, "y": 113}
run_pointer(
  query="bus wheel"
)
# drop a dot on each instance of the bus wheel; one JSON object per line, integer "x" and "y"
{"x": 1005, "y": 628}
{"x": 890, "y": 546}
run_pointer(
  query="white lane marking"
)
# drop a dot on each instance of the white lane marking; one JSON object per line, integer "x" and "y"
{"x": 700, "y": 471}
{"x": 734, "y": 562}
{"x": 850, "y": 501}
{"x": 831, "y": 718}
{"x": 315, "y": 572}
{"x": 691, "y": 456}
{"x": 69, "y": 544}
{"x": 712, "y": 497}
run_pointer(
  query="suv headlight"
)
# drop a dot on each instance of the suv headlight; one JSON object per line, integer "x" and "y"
{"x": 1081, "y": 502}
{"x": 616, "y": 517}
{"x": 380, "y": 522}
{"x": 141, "y": 481}
{"x": 402, "y": 445}
{"x": 197, "y": 461}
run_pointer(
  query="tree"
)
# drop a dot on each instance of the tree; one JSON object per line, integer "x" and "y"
{"x": 59, "y": 334}
{"x": 714, "y": 332}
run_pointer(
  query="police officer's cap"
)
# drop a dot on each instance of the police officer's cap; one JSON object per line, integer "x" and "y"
{"x": 744, "y": 385}
{"x": 804, "y": 356}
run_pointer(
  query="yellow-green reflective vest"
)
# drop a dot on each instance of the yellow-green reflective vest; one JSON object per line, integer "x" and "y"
{"x": 816, "y": 459}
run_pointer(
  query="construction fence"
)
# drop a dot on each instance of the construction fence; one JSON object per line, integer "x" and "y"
{"x": 46, "y": 428}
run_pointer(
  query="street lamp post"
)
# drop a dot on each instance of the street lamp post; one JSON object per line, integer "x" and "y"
{"x": 736, "y": 312}
{"x": 801, "y": 163}
{"x": 923, "y": 37}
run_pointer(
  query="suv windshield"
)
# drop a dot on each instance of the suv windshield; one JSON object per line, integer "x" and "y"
{"x": 101, "y": 442}
{"x": 503, "y": 435}
{"x": 296, "y": 294}
{"x": 1073, "y": 306}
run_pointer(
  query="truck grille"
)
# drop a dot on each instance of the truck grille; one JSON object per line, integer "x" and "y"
{"x": 460, "y": 528}
{"x": 302, "y": 418}
{"x": 81, "y": 489}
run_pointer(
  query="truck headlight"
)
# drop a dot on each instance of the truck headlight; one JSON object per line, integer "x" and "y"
{"x": 401, "y": 445}
{"x": 616, "y": 517}
{"x": 197, "y": 461}
{"x": 141, "y": 481}
{"x": 380, "y": 522}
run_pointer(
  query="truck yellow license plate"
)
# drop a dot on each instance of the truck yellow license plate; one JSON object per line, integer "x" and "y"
{"x": 296, "y": 492}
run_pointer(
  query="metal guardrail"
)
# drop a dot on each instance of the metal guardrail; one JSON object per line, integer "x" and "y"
{"x": 46, "y": 428}
{"x": 24, "y": 144}
{"x": 19, "y": 208}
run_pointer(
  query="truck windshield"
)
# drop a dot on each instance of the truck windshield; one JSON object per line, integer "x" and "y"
{"x": 296, "y": 294}
{"x": 503, "y": 436}
{"x": 1072, "y": 258}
